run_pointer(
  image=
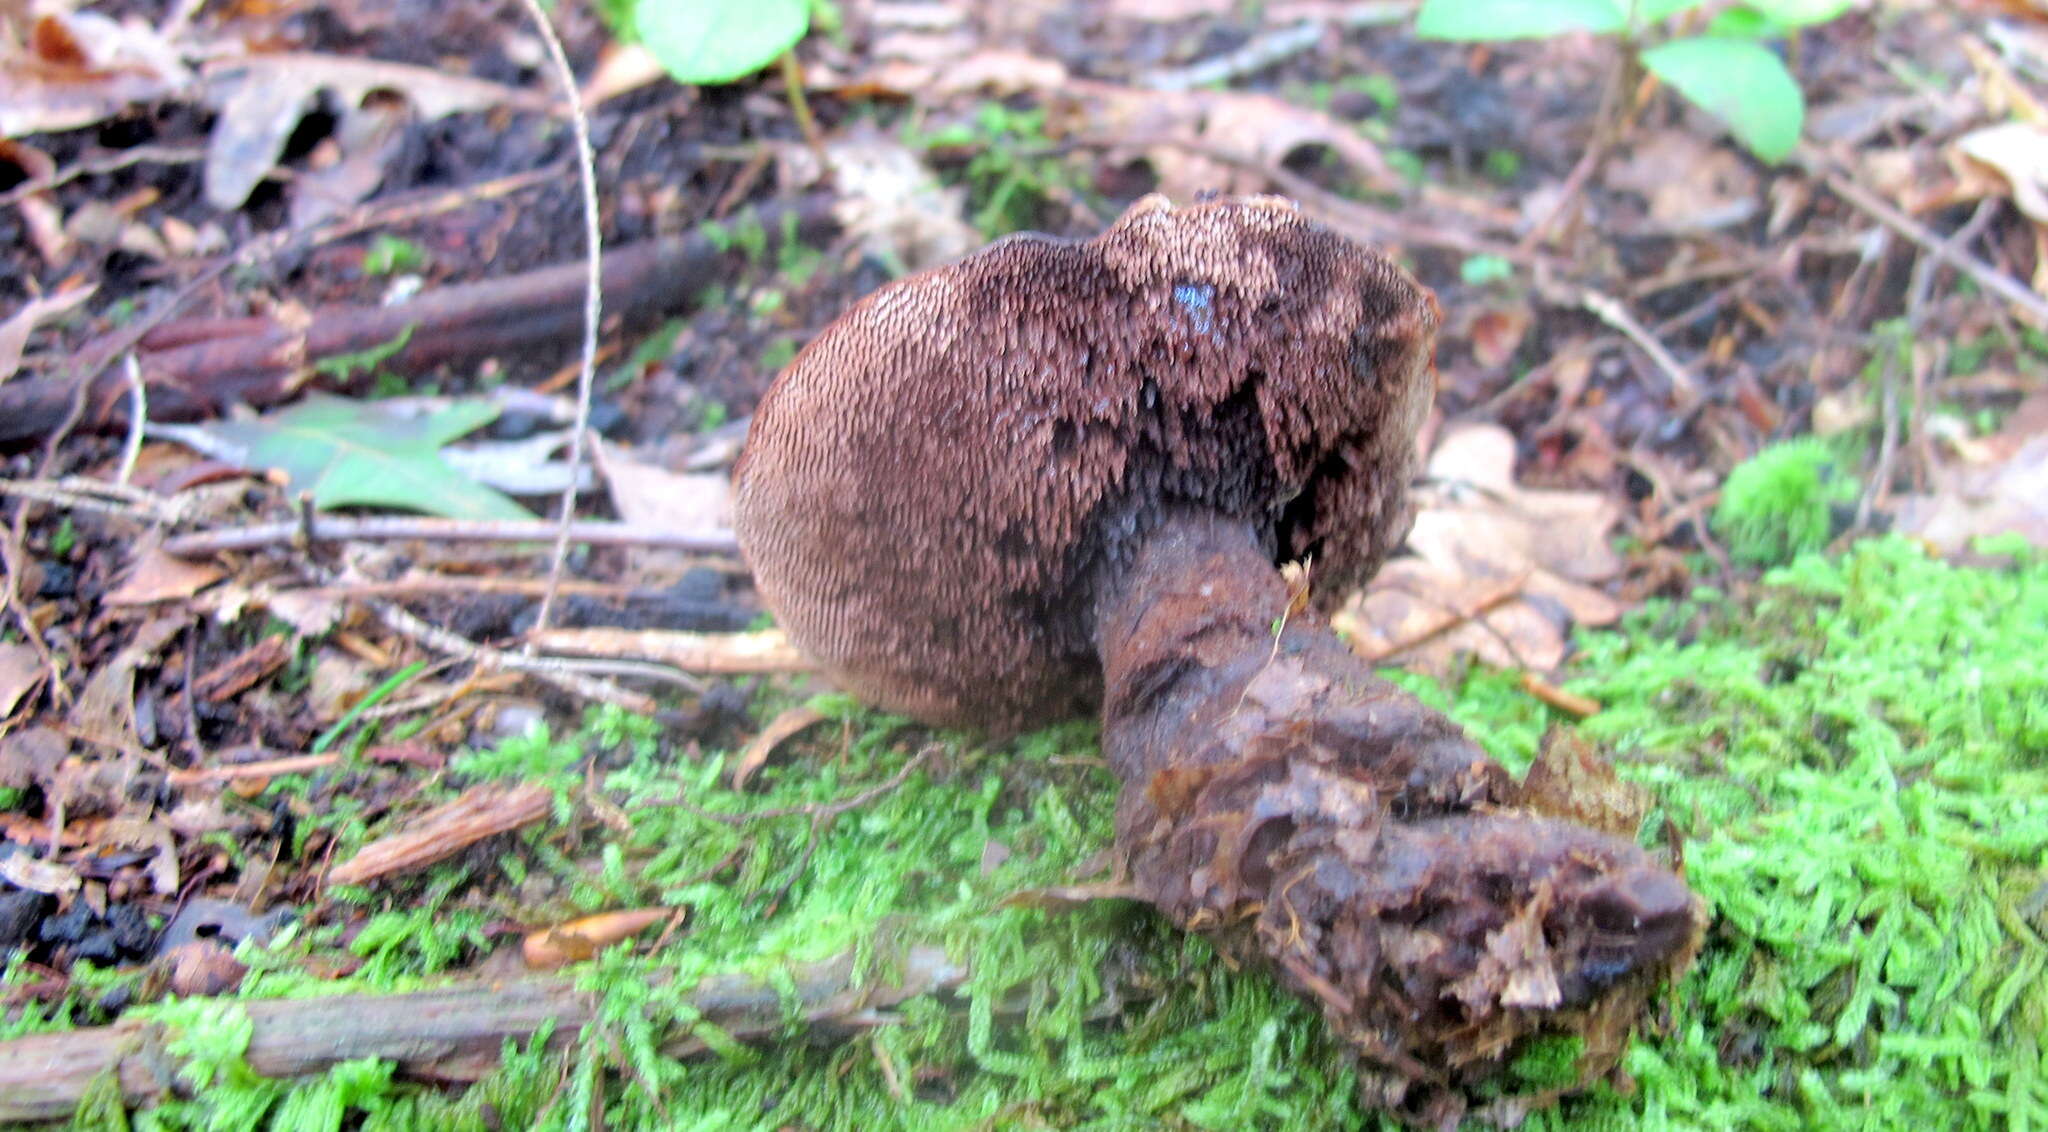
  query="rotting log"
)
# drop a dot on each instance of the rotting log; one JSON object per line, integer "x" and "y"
{"x": 196, "y": 367}
{"x": 449, "y": 1035}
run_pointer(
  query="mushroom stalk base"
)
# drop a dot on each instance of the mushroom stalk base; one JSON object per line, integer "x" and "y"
{"x": 1282, "y": 797}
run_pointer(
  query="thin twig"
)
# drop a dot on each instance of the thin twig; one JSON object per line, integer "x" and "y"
{"x": 1611, "y": 311}
{"x": 1452, "y": 617}
{"x": 1261, "y": 52}
{"x": 593, "y": 297}
{"x": 1988, "y": 277}
{"x": 800, "y": 107}
{"x": 58, "y": 494}
{"x": 138, "y": 418}
{"x": 556, "y": 671}
{"x": 139, "y": 155}
{"x": 1606, "y": 126}
{"x": 327, "y": 528}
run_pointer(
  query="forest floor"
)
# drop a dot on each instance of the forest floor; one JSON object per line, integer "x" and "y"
{"x": 1736, "y": 470}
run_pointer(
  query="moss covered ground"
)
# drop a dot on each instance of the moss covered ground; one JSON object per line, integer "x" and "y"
{"x": 1854, "y": 758}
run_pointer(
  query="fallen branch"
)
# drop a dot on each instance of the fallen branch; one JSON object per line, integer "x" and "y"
{"x": 328, "y": 528}
{"x": 197, "y": 367}
{"x": 454, "y": 1034}
{"x": 723, "y": 653}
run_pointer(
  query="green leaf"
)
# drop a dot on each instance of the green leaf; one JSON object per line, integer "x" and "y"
{"x": 1518, "y": 19}
{"x": 358, "y": 453}
{"x": 1479, "y": 270}
{"x": 1743, "y": 23}
{"x": 1800, "y": 13}
{"x": 718, "y": 41}
{"x": 1741, "y": 82}
{"x": 1650, "y": 11}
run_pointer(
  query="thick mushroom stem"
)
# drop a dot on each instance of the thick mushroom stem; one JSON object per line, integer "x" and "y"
{"x": 1282, "y": 796}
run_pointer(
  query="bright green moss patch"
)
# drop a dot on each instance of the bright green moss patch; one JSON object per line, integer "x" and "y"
{"x": 1781, "y": 501}
{"x": 1855, "y": 759}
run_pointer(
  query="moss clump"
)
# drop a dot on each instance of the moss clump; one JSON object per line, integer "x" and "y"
{"x": 1857, "y": 763}
{"x": 1780, "y": 502}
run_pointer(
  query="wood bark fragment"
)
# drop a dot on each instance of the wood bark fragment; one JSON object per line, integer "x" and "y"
{"x": 482, "y": 811}
{"x": 723, "y": 653}
{"x": 452, "y": 1034}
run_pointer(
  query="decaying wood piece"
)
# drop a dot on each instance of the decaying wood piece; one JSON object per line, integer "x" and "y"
{"x": 197, "y": 367}
{"x": 1057, "y": 476}
{"x": 482, "y": 811}
{"x": 453, "y": 1034}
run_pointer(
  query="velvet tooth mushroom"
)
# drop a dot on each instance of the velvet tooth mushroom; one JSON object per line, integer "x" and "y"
{"x": 1057, "y": 477}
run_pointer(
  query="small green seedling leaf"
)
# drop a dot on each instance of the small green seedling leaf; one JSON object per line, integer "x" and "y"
{"x": 1799, "y": 13}
{"x": 1739, "y": 81}
{"x": 359, "y": 453}
{"x": 1650, "y": 11}
{"x": 719, "y": 41}
{"x": 1480, "y": 20}
{"x": 1479, "y": 270}
{"x": 389, "y": 255}
{"x": 1742, "y": 22}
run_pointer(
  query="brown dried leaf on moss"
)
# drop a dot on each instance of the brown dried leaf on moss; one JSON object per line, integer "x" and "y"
{"x": 1572, "y": 782}
{"x": 1994, "y": 486}
{"x": 580, "y": 939}
{"x": 1498, "y": 570}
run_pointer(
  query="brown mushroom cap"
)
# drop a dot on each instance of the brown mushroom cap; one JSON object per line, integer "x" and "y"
{"x": 932, "y": 491}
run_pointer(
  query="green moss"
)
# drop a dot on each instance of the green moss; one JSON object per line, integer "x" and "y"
{"x": 1855, "y": 760}
{"x": 1780, "y": 502}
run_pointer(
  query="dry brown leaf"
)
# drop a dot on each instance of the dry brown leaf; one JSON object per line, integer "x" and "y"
{"x": 725, "y": 653}
{"x": 261, "y": 99}
{"x": 1691, "y": 185}
{"x": 78, "y": 68}
{"x": 780, "y": 729}
{"x": 1497, "y": 331}
{"x": 45, "y": 224}
{"x": 157, "y": 576}
{"x": 338, "y": 681}
{"x": 1564, "y": 532}
{"x": 582, "y": 939}
{"x": 1998, "y": 486}
{"x": 15, "y": 331}
{"x": 1425, "y": 616}
{"x": 105, "y": 710}
{"x": 21, "y": 670}
{"x": 654, "y": 497}
{"x": 622, "y": 67}
{"x": 1261, "y": 128}
{"x": 887, "y": 198}
{"x": 201, "y": 967}
{"x": 310, "y": 612}
{"x": 2019, "y": 152}
{"x": 138, "y": 833}
{"x": 1499, "y": 571}
{"x": 364, "y": 142}
{"x": 1570, "y": 780}
{"x": 30, "y": 757}
{"x": 52, "y": 877}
